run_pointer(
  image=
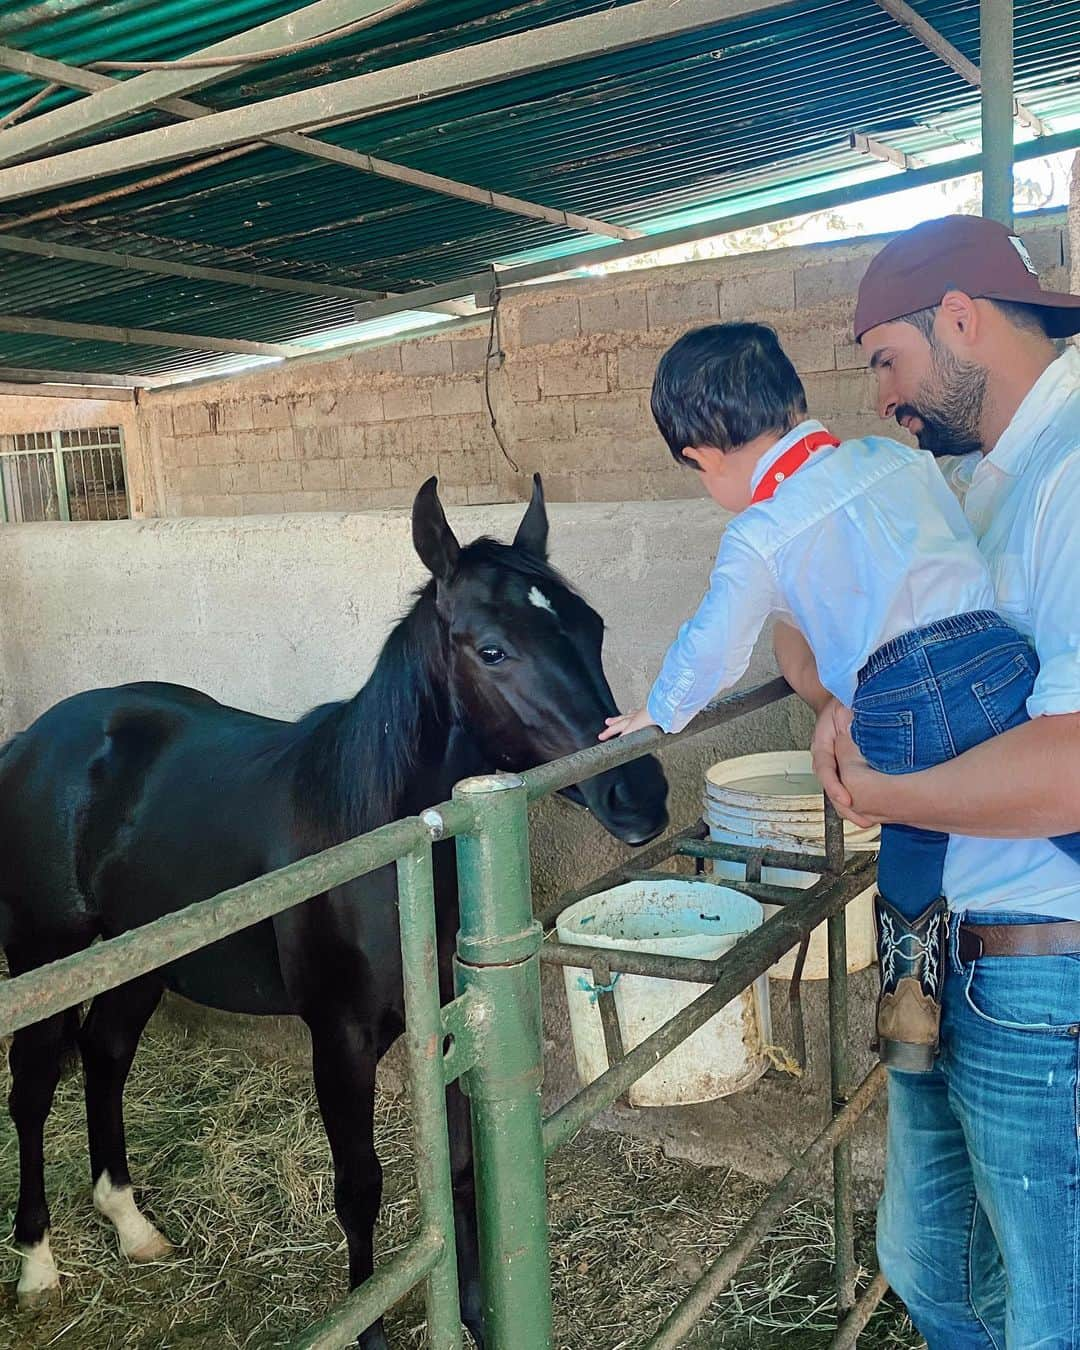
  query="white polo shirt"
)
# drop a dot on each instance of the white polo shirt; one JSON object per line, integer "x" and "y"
{"x": 1023, "y": 502}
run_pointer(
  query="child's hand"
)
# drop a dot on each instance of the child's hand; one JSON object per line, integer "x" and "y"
{"x": 625, "y": 723}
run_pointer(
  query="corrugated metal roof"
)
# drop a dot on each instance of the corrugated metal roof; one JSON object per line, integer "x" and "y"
{"x": 646, "y": 137}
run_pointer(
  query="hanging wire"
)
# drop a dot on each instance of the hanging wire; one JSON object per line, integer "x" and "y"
{"x": 28, "y": 105}
{"x": 268, "y": 53}
{"x": 494, "y": 351}
{"x": 193, "y": 166}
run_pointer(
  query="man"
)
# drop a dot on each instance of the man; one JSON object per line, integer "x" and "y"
{"x": 979, "y": 1225}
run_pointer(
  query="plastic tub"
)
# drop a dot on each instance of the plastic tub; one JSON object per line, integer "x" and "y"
{"x": 676, "y": 918}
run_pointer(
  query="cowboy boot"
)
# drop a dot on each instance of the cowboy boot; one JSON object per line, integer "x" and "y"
{"x": 911, "y": 953}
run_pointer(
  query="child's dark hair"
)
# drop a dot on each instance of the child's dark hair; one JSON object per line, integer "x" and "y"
{"x": 725, "y": 385}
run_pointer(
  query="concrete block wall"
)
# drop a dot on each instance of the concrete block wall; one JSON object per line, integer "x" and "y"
{"x": 570, "y": 393}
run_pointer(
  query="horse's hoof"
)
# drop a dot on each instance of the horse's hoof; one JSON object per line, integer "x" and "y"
{"x": 155, "y": 1248}
{"x": 37, "y": 1300}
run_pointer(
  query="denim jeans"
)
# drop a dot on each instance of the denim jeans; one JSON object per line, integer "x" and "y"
{"x": 979, "y": 1224}
{"x": 924, "y": 698}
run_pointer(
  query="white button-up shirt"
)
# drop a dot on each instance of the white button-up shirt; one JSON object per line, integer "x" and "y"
{"x": 863, "y": 543}
{"x": 1023, "y": 501}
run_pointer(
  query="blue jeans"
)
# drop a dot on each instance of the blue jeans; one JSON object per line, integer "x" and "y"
{"x": 924, "y": 698}
{"x": 979, "y": 1225}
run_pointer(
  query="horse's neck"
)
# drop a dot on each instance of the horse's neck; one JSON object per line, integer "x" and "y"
{"x": 383, "y": 753}
{"x": 458, "y": 757}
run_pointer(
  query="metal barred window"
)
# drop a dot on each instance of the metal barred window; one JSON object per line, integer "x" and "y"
{"x": 63, "y": 475}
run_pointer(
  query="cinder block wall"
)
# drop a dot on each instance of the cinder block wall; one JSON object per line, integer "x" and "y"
{"x": 570, "y": 394}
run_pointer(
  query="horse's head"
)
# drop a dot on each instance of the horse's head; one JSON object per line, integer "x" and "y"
{"x": 526, "y": 673}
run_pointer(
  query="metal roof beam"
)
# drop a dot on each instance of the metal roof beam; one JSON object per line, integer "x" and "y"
{"x": 25, "y": 374}
{"x": 953, "y": 57}
{"x": 84, "y": 391}
{"x": 116, "y": 99}
{"x": 58, "y": 73}
{"x": 448, "y": 187}
{"x": 145, "y": 337}
{"x": 868, "y": 145}
{"x": 15, "y": 243}
{"x": 996, "y": 65}
{"x": 483, "y": 283}
{"x": 77, "y": 78}
{"x": 432, "y": 77}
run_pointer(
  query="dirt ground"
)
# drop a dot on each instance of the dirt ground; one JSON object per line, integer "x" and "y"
{"x": 230, "y": 1159}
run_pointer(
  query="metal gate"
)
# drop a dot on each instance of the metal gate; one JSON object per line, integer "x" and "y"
{"x": 490, "y": 1035}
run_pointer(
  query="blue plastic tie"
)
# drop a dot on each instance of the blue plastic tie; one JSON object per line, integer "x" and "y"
{"x": 595, "y": 990}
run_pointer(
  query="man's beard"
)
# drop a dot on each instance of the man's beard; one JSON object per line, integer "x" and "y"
{"x": 950, "y": 405}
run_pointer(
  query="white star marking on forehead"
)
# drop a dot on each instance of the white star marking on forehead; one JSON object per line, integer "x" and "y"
{"x": 539, "y": 599}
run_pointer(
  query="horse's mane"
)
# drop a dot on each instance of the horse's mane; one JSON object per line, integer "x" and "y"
{"x": 357, "y": 757}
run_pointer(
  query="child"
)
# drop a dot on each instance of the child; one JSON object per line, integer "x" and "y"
{"x": 861, "y": 546}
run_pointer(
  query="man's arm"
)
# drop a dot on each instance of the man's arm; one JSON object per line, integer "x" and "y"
{"x": 1024, "y": 784}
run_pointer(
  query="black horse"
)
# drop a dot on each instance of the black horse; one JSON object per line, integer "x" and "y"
{"x": 120, "y": 805}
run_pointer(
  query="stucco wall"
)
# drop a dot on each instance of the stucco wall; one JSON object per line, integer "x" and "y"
{"x": 278, "y": 613}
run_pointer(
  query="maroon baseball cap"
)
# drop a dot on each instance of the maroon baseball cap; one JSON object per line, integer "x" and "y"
{"x": 980, "y": 257}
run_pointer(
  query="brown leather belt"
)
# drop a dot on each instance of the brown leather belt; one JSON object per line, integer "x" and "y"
{"x": 1060, "y": 938}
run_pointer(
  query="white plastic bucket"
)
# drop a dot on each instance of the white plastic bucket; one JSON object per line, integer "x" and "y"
{"x": 773, "y": 799}
{"x": 675, "y": 918}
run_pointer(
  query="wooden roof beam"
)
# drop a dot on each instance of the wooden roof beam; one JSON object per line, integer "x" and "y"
{"x": 24, "y": 143}
{"x": 26, "y": 374}
{"x": 130, "y": 262}
{"x": 144, "y": 337}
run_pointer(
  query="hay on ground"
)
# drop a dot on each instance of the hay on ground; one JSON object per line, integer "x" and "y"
{"x": 230, "y": 1159}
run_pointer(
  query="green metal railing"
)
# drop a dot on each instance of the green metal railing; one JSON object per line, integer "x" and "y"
{"x": 490, "y": 1035}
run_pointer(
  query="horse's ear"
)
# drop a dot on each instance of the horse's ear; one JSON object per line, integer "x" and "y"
{"x": 433, "y": 538}
{"x": 532, "y": 534}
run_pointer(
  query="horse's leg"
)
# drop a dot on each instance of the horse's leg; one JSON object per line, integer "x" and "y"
{"x": 108, "y": 1040}
{"x": 35, "y": 1058}
{"x": 344, "y": 1055}
{"x": 462, "y": 1175}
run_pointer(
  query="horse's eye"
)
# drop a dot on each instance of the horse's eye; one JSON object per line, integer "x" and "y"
{"x": 492, "y": 656}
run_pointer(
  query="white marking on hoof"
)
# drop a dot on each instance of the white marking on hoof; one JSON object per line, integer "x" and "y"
{"x": 537, "y": 597}
{"x": 139, "y": 1239}
{"x": 39, "y": 1282}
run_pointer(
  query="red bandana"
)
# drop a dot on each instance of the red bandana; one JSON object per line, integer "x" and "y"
{"x": 791, "y": 460}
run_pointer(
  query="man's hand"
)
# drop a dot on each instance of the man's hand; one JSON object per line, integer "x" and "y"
{"x": 836, "y": 759}
{"x": 625, "y": 723}
{"x": 857, "y": 778}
